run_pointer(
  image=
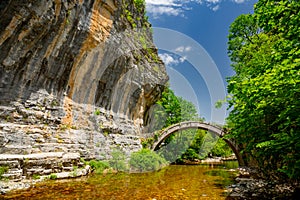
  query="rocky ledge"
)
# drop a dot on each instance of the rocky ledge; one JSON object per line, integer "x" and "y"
{"x": 24, "y": 170}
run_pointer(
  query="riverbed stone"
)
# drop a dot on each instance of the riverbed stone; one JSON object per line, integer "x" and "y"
{"x": 259, "y": 188}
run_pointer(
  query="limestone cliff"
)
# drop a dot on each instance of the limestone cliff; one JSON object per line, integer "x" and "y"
{"x": 76, "y": 76}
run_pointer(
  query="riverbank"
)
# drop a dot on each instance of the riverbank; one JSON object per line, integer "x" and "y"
{"x": 249, "y": 186}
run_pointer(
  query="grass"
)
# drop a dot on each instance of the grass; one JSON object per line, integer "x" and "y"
{"x": 52, "y": 176}
{"x": 36, "y": 176}
{"x": 3, "y": 170}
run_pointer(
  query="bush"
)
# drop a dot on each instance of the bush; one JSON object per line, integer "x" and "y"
{"x": 146, "y": 160}
{"x": 98, "y": 166}
{"x": 117, "y": 163}
{"x": 118, "y": 160}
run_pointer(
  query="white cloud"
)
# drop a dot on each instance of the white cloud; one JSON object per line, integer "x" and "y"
{"x": 239, "y": 1}
{"x": 164, "y": 2}
{"x": 183, "y": 49}
{"x": 213, "y": 1}
{"x": 167, "y": 7}
{"x": 170, "y": 60}
{"x": 163, "y": 10}
{"x": 182, "y": 59}
{"x": 177, "y": 7}
{"x": 188, "y": 48}
{"x": 215, "y": 8}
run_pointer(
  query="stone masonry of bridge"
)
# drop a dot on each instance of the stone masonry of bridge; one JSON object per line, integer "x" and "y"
{"x": 198, "y": 125}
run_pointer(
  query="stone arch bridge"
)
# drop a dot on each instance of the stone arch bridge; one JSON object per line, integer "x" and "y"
{"x": 198, "y": 125}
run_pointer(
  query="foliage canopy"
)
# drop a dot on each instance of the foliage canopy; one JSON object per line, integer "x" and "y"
{"x": 265, "y": 91}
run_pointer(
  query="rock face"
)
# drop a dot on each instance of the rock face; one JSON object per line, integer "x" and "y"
{"x": 21, "y": 166}
{"x": 76, "y": 76}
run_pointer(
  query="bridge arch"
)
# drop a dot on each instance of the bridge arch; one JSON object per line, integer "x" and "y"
{"x": 198, "y": 125}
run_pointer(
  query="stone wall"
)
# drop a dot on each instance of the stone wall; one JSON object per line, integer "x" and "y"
{"x": 76, "y": 76}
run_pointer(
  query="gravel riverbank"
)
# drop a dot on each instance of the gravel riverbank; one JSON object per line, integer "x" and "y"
{"x": 249, "y": 186}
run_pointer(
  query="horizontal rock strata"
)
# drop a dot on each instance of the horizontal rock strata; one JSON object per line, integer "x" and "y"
{"x": 76, "y": 76}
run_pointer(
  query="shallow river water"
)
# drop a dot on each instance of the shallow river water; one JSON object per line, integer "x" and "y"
{"x": 173, "y": 182}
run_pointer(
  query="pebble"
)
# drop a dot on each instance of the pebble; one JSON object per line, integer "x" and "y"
{"x": 252, "y": 188}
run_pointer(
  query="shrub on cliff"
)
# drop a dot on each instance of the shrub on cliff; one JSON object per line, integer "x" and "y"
{"x": 3, "y": 170}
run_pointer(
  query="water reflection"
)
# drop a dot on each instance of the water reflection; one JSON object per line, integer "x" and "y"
{"x": 173, "y": 182}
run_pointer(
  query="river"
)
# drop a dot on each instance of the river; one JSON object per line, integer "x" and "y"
{"x": 172, "y": 182}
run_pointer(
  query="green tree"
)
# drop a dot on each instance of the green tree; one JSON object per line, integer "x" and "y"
{"x": 172, "y": 110}
{"x": 176, "y": 145}
{"x": 171, "y": 106}
{"x": 265, "y": 92}
{"x": 221, "y": 149}
{"x": 195, "y": 148}
{"x": 176, "y": 109}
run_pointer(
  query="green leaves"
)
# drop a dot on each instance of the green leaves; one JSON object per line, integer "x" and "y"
{"x": 265, "y": 144}
{"x": 146, "y": 160}
{"x": 175, "y": 109}
{"x": 265, "y": 90}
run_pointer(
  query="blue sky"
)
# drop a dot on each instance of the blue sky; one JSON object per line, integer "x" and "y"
{"x": 192, "y": 40}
